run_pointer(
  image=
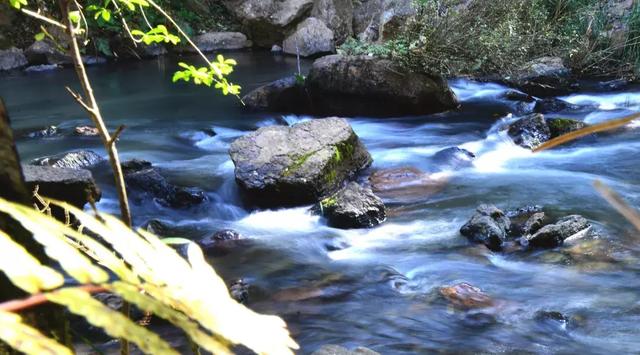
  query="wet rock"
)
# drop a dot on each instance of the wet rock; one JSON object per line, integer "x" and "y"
{"x": 367, "y": 86}
{"x": 529, "y": 131}
{"x": 267, "y": 21}
{"x": 311, "y": 38}
{"x": 141, "y": 176}
{"x": 454, "y": 158}
{"x": 479, "y": 319}
{"x": 554, "y": 235}
{"x": 514, "y": 95}
{"x": 75, "y": 186}
{"x": 45, "y": 52}
{"x": 283, "y": 95}
{"x": 86, "y": 131}
{"x": 296, "y": 165}
{"x": 80, "y": 159}
{"x": 534, "y": 223}
{"x": 405, "y": 184}
{"x": 93, "y": 60}
{"x": 526, "y": 212}
{"x": 553, "y": 105}
{"x": 41, "y": 68}
{"x": 151, "y": 51}
{"x": 561, "y": 126}
{"x": 613, "y": 85}
{"x": 488, "y": 226}
{"x": 552, "y": 319}
{"x": 337, "y": 15}
{"x": 12, "y": 58}
{"x": 221, "y": 242}
{"x": 543, "y": 77}
{"x": 239, "y": 291}
{"x": 465, "y": 296}
{"x": 339, "y": 350}
{"x": 215, "y": 41}
{"x": 353, "y": 207}
{"x": 48, "y": 132}
{"x": 276, "y": 49}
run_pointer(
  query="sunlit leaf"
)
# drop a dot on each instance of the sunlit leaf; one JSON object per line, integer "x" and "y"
{"x": 18, "y": 3}
{"x": 39, "y": 36}
{"x": 27, "y": 339}
{"x": 114, "y": 323}
{"x": 74, "y": 16}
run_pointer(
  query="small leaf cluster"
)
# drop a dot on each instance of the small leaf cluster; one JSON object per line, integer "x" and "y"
{"x": 214, "y": 74}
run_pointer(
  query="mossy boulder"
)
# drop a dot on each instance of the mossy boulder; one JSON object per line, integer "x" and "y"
{"x": 353, "y": 207}
{"x": 284, "y": 166}
{"x": 561, "y": 126}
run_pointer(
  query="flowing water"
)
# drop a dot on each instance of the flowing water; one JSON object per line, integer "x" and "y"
{"x": 379, "y": 287}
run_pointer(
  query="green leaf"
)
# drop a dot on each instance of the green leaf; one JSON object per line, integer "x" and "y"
{"x": 39, "y": 36}
{"x": 114, "y": 323}
{"x": 17, "y": 3}
{"x": 74, "y": 16}
{"x": 27, "y": 339}
{"x": 24, "y": 270}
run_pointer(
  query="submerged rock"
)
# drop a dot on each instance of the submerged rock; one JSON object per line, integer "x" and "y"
{"x": 363, "y": 85}
{"x": 47, "y": 132}
{"x": 554, "y": 235}
{"x": 221, "y": 242}
{"x": 86, "y": 131}
{"x": 553, "y": 105}
{"x": 239, "y": 291}
{"x": 75, "y": 186}
{"x": 353, "y": 207}
{"x": 488, "y": 226}
{"x": 454, "y": 158}
{"x": 12, "y": 58}
{"x": 80, "y": 159}
{"x": 466, "y": 296}
{"x": 41, "y": 68}
{"x": 311, "y": 38}
{"x": 141, "y": 176}
{"x": 405, "y": 184}
{"x": 295, "y": 165}
{"x": 339, "y": 350}
{"x": 529, "y": 131}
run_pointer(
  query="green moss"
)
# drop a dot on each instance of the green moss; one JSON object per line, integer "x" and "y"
{"x": 560, "y": 126}
{"x": 328, "y": 202}
{"x": 342, "y": 151}
{"x": 297, "y": 163}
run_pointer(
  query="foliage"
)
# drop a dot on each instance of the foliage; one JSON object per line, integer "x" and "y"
{"x": 147, "y": 272}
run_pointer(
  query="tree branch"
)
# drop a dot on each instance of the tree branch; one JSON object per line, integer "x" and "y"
{"x": 41, "y": 298}
{"x": 43, "y": 18}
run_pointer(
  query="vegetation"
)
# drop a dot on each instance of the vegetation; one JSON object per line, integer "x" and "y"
{"x": 495, "y": 37}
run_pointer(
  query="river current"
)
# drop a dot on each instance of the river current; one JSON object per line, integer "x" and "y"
{"x": 379, "y": 287}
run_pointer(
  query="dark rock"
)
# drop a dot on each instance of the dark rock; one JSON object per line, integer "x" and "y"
{"x": 561, "y": 126}
{"x": 221, "y": 242}
{"x": 465, "y": 296}
{"x": 613, "y": 85}
{"x": 534, "y": 223}
{"x": 454, "y": 158}
{"x": 75, "y": 186}
{"x": 93, "y": 60}
{"x": 543, "y": 77}
{"x": 48, "y": 132}
{"x": 296, "y": 165}
{"x": 514, "y": 95}
{"x": 239, "y": 291}
{"x": 12, "y": 58}
{"x": 353, "y": 207}
{"x": 141, "y": 176}
{"x": 339, "y": 350}
{"x": 479, "y": 319}
{"x": 552, "y": 320}
{"x": 488, "y": 226}
{"x": 283, "y": 95}
{"x": 526, "y": 211}
{"x": 529, "y": 131}
{"x": 553, "y": 105}
{"x": 80, "y": 159}
{"x": 554, "y": 235}
{"x": 367, "y": 86}
{"x": 311, "y": 38}
{"x": 45, "y": 52}
{"x": 86, "y": 131}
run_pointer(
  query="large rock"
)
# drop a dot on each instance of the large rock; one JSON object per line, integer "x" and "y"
{"x": 362, "y": 85}
{"x": 282, "y": 95}
{"x": 380, "y": 19}
{"x": 75, "y": 186}
{"x": 214, "y": 41}
{"x": 311, "y": 37}
{"x": 353, "y": 207}
{"x": 45, "y": 52}
{"x": 337, "y": 15}
{"x": 489, "y": 226}
{"x": 143, "y": 178}
{"x": 267, "y": 21}
{"x": 80, "y": 159}
{"x": 543, "y": 77}
{"x": 530, "y": 131}
{"x": 12, "y": 58}
{"x": 553, "y": 235}
{"x": 295, "y": 165}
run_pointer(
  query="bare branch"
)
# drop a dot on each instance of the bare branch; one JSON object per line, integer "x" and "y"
{"x": 79, "y": 100}
{"x": 40, "y": 17}
{"x": 116, "y": 135}
{"x": 41, "y": 298}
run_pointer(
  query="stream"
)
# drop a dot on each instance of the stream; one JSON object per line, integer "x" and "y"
{"x": 378, "y": 287}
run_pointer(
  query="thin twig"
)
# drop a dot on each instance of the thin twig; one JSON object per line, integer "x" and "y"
{"x": 43, "y": 18}
{"x": 601, "y": 127}
{"x": 79, "y": 100}
{"x": 41, "y": 298}
{"x": 618, "y": 203}
{"x": 116, "y": 135}
{"x": 124, "y": 23}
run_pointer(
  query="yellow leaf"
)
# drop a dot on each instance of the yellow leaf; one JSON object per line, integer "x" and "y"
{"x": 27, "y": 339}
